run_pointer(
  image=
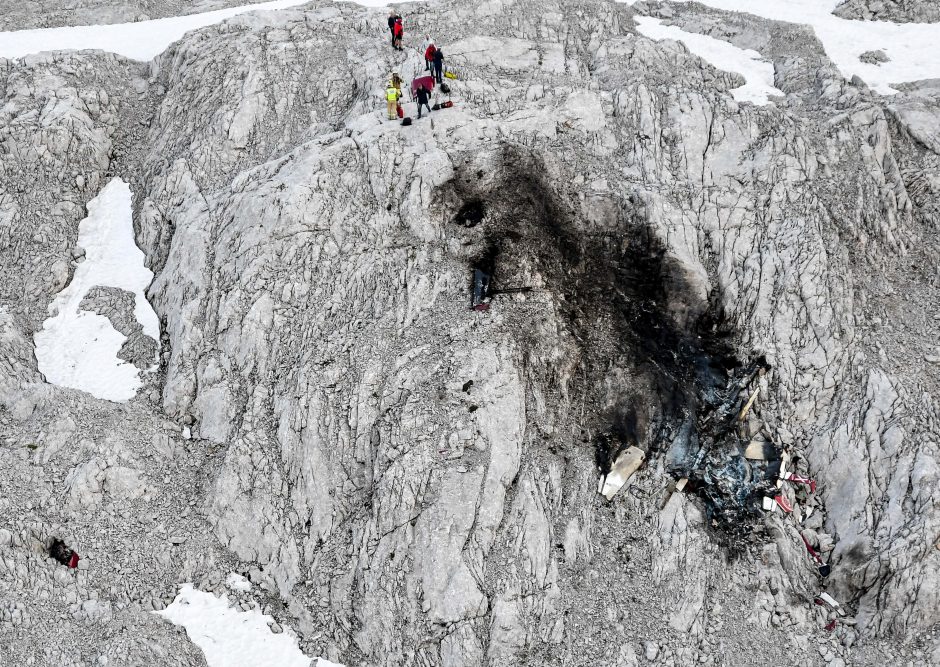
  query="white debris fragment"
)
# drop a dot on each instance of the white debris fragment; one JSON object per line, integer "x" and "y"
{"x": 831, "y": 601}
{"x": 757, "y": 450}
{"x": 623, "y": 468}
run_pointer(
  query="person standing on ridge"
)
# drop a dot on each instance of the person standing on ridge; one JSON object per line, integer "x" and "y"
{"x": 438, "y": 65}
{"x": 392, "y": 95}
{"x": 392, "y": 16}
{"x": 398, "y": 31}
{"x": 423, "y": 96}
{"x": 428, "y": 49}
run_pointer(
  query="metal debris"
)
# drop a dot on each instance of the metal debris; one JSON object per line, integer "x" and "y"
{"x": 627, "y": 463}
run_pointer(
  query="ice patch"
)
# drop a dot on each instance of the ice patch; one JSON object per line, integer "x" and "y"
{"x": 911, "y": 47}
{"x": 758, "y": 74}
{"x": 143, "y": 40}
{"x": 76, "y": 348}
{"x": 230, "y": 637}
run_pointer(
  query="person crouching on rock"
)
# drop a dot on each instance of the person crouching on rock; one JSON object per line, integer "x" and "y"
{"x": 392, "y": 95}
{"x": 422, "y": 95}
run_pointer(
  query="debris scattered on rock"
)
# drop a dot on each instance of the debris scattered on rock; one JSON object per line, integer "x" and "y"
{"x": 63, "y": 554}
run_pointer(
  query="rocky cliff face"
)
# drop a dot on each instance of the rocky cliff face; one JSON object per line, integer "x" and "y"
{"x": 412, "y": 482}
{"x": 900, "y": 11}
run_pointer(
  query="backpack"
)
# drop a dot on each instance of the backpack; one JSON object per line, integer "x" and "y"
{"x": 406, "y": 121}
{"x": 445, "y": 88}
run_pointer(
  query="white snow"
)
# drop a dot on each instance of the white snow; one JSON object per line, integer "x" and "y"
{"x": 76, "y": 348}
{"x": 143, "y": 40}
{"x": 230, "y": 637}
{"x": 913, "y": 48}
{"x": 237, "y": 582}
{"x": 758, "y": 74}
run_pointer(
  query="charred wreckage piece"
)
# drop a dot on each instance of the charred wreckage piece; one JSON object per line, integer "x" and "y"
{"x": 627, "y": 302}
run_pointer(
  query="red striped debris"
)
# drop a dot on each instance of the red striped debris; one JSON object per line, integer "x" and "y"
{"x": 812, "y": 551}
{"x": 824, "y": 569}
{"x": 796, "y": 479}
{"x": 784, "y": 505}
{"x": 826, "y": 599}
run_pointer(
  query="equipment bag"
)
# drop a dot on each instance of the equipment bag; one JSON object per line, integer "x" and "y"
{"x": 450, "y": 75}
{"x": 445, "y": 88}
{"x": 406, "y": 121}
{"x": 436, "y": 107}
{"x": 447, "y": 105}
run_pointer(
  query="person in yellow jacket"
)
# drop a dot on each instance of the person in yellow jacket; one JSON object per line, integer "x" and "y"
{"x": 392, "y": 95}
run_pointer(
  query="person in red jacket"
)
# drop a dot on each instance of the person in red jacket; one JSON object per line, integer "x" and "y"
{"x": 398, "y": 31}
{"x": 428, "y": 54}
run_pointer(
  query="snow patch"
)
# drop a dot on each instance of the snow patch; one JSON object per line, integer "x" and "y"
{"x": 237, "y": 582}
{"x": 758, "y": 74}
{"x": 76, "y": 348}
{"x": 911, "y": 47}
{"x": 230, "y": 637}
{"x": 143, "y": 40}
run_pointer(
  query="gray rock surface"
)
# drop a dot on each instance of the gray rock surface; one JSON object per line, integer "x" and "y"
{"x": 899, "y": 11}
{"x": 409, "y": 482}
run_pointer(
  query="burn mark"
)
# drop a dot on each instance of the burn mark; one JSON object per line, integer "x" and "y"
{"x": 471, "y": 214}
{"x": 658, "y": 365}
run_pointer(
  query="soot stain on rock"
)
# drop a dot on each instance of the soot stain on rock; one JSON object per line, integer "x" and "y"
{"x": 629, "y": 304}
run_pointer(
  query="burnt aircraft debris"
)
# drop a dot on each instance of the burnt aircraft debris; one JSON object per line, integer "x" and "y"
{"x": 59, "y": 551}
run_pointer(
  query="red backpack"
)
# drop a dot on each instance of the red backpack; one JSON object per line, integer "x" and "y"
{"x": 399, "y": 28}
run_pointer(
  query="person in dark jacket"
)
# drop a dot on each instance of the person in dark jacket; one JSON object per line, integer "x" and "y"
{"x": 438, "y": 65}
{"x": 423, "y": 96}
{"x": 392, "y": 17}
